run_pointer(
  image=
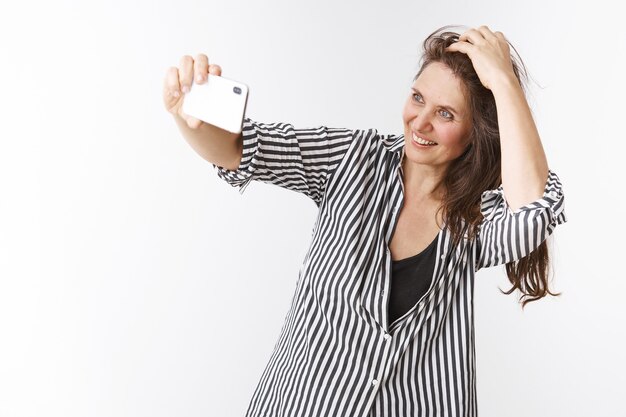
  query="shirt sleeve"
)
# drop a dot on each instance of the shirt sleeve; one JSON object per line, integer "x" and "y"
{"x": 506, "y": 236}
{"x": 301, "y": 160}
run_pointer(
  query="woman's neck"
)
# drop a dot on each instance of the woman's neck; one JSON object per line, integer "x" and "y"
{"x": 423, "y": 183}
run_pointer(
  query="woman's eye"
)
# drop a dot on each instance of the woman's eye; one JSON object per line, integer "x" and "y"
{"x": 447, "y": 114}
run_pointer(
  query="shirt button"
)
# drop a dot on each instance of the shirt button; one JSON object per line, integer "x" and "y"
{"x": 374, "y": 381}
{"x": 387, "y": 337}
{"x": 553, "y": 193}
{"x": 443, "y": 256}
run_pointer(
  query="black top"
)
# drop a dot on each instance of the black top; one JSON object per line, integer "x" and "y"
{"x": 410, "y": 279}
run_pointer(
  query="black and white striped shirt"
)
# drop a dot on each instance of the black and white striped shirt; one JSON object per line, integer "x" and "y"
{"x": 336, "y": 354}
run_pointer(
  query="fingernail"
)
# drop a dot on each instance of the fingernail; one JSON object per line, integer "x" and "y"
{"x": 176, "y": 93}
{"x": 199, "y": 78}
{"x": 185, "y": 88}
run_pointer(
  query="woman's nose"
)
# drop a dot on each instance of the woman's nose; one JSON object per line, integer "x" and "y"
{"x": 421, "y": 123}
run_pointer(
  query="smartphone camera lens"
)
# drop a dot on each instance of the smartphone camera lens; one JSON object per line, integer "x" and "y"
{"x": 237, "y": 90}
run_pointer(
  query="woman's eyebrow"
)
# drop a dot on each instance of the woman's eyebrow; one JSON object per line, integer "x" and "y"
{"x": 445, "y": 106}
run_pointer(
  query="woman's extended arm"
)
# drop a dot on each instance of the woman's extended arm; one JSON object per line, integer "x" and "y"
{"x": 298, "y": 159}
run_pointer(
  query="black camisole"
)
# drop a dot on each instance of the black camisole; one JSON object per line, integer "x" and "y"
{"x": 410, "y": 279}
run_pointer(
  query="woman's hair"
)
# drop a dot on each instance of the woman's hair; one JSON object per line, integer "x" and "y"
{"x": 478, "y": 168}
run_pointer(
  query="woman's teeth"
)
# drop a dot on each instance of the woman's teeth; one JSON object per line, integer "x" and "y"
{"x": 422, "y": 141}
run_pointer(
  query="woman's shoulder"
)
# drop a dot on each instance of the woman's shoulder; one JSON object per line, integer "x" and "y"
{"x": 389, "y": 141}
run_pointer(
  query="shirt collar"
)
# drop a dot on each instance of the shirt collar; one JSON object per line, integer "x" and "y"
{"x": 394, "y": 144}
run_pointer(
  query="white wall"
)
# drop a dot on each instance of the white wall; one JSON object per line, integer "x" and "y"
{"x": 122, "y": 286}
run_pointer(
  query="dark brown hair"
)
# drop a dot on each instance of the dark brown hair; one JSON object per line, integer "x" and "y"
{"x": 478, "y": 168}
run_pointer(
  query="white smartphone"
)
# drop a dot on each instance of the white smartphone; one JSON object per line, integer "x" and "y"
{"x": 219, "y": 101}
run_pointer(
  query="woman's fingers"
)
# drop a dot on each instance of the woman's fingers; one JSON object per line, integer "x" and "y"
{"x": 201, "y": 68}
{"x": 171, "y": 89}
{"x": 475, "y": 36}
{"x": 470, "y": 36}
{"x": 486, "y": 33}
{"x": 185, "y": 73}
{"x": 215, "y": 69}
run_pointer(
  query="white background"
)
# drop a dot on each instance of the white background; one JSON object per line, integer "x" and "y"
{"x": 135, "y": 282}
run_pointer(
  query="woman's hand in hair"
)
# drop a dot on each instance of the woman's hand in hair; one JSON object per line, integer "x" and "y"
{"x": 490, "y": 55}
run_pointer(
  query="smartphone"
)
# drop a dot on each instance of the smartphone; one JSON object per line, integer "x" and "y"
{"x": 219, "y": 101}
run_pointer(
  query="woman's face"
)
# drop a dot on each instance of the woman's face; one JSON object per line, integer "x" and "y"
{"x": 437, "y": 111}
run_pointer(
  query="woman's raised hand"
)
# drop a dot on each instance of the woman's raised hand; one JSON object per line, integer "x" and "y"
{"x": 490, "y": 55}
{"x": 178, "y": 82}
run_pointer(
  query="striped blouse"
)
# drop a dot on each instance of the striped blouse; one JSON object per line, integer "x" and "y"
{"x": 337, "y": 354}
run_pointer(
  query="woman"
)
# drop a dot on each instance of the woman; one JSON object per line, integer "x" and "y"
{"x": 381, "y": 322}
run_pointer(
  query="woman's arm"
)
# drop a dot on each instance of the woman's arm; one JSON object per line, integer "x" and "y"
{"x": 298, "y": 159}
{"x": 524, "y": 163}
{"x": 213, "y": 144}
